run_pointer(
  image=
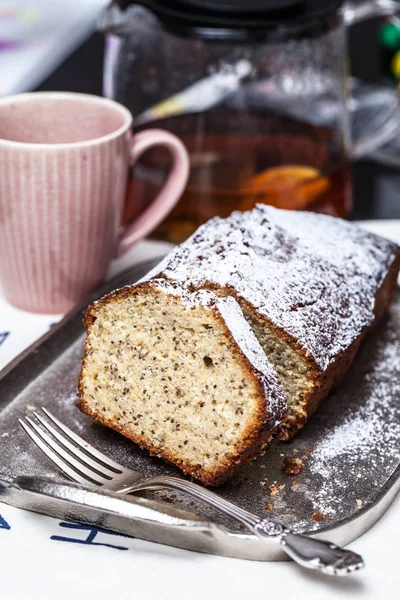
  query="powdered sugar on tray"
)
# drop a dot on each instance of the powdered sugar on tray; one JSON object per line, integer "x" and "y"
{"x": 367, "y": 437}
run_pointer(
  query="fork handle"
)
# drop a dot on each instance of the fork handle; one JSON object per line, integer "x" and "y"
{"x": 306, "y": 551}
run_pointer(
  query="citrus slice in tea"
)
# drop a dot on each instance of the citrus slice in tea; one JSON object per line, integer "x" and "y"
{"x": 286, "y": 186}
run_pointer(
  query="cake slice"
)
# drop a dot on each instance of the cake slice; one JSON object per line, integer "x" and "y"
{"x": 182, "y": 375}
{"x": 309, "y": 285}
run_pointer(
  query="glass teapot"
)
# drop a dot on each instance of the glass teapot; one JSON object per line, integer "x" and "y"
{"x": 258, "y": 90}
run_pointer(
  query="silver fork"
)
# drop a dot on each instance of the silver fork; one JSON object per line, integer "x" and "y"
{"x": 84, "y": 464}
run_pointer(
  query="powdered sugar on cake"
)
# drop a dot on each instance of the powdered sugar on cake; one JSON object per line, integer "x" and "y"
{"x": 312, "y": 275}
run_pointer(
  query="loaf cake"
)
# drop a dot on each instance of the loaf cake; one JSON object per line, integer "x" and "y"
{"x": 302, "y": 289}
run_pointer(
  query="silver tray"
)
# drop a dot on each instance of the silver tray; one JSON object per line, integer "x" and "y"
{"x": 350, "y": 451}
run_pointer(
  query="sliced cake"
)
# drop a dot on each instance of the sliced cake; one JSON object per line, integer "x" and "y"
{"x": 236, "y": 336}
{"x": 182, "y": 375}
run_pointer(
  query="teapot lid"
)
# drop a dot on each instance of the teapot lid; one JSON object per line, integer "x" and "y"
{"x": 203, "y": 17}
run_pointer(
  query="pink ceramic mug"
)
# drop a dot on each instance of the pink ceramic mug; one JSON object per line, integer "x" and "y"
{"x": 64, "y": 161}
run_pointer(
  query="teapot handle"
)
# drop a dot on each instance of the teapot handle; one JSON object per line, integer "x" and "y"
{"x": 354, "y": 13}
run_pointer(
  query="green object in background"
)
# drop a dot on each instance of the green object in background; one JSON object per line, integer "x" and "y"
{"x": 389, "y": 35}
{"x": 389, "y": 38}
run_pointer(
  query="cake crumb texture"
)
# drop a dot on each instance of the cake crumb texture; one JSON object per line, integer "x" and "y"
{"x": 165, "y": 369}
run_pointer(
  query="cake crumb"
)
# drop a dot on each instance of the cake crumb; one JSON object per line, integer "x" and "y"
{"x": 275, "y": 488}
{"x": 359, "y": 502}
{"x": 268, "y": 506}
{"x": 309, "y": 450}
{"x": 317, "y": 516}
{"x": 30, "y": 407}
{"x": 263, "y": 483}
{"x": 292, "y": 466}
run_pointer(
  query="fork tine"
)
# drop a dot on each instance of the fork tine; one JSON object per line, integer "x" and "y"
{"x": 93, "y": 452}
{"x": 76, "y": 451}
{"x": 65, "y": 457}
{"x": 52, "y": 455}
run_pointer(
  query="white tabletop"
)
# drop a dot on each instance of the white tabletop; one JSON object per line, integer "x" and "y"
{"x": 36, "y": 564}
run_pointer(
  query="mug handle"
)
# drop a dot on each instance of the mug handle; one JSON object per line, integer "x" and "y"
{"x": 171, "y": 191}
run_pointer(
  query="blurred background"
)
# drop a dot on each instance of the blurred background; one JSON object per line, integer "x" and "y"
{"x": 48, "y": 45}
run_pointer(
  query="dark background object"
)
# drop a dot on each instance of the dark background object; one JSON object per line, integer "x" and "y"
{"x": 233, "y": 19}
{"x": 376, "y": 189}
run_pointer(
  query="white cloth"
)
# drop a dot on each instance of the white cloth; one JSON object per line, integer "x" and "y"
{"x": 35, "y": 564}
